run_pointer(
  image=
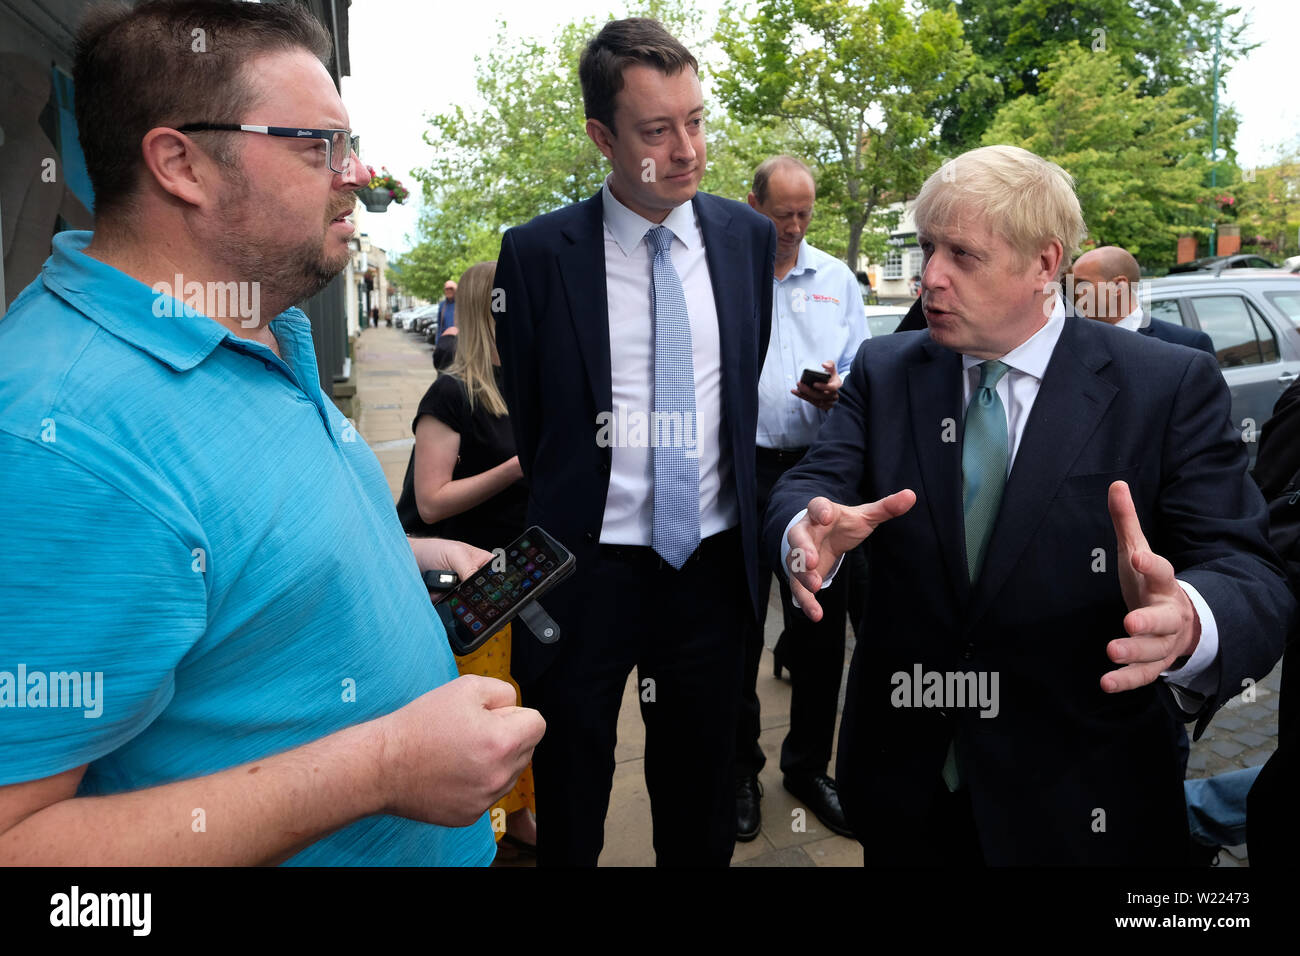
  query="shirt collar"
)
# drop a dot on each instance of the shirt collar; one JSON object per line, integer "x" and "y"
{"x": 629, "y": 228}
{"x": 802, "y": 261}
{"x": 1032, "y": 355}
{"x": 1135, "y": 320}
{"x": 155, "y": 323}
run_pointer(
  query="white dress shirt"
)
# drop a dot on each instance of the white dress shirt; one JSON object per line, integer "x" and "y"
{"x": 1134, "y": 320}
{"x": 817, "y": 316}
{"x": 1018, "y": 389}
{"x": 629, "y": 261}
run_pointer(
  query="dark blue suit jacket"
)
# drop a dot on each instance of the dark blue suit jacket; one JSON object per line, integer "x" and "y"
{"x": 1178, "y": 335}
{"x": 1064, "y": 773}
{"x": 553, "y": 337}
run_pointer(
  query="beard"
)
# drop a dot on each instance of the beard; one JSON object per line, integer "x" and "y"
{"x": 287, "y": 272}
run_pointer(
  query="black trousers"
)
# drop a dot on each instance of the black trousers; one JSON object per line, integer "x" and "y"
{"x": 682, "y": 631}
{"x": 814, "y": 652}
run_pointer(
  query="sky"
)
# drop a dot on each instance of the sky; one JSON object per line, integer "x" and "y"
{"x": 410, "y": 60}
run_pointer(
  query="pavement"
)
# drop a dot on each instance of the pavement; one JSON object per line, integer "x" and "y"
{"x": 394, "y": 369}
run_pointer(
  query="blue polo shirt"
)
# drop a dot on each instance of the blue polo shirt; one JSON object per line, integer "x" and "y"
{"x": 201, "y": 537}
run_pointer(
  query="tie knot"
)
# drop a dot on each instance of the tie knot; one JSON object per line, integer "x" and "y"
{"x": 661, "y": 238}
{"x": 991, "y": 373}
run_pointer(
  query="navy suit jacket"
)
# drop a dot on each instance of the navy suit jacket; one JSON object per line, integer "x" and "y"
{"x": 553, "y": 337}
{"x": 1178, "y": 335}
{"x": 1064, "y": 773}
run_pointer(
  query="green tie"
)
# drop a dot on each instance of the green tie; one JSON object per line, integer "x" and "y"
{"x": 983, "y": 464}
{"x": 984, "y": 457}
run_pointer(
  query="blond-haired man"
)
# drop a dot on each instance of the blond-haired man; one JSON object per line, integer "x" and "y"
{"x": 1066, "y": 554}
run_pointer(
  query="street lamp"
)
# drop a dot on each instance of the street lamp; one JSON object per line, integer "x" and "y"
{"x": 1214, "y": 136}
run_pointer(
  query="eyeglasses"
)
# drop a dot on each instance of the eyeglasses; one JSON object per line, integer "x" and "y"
{"x": 338, "y": 142}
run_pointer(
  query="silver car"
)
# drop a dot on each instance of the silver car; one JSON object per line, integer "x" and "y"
{"x": 1253, "y": 318}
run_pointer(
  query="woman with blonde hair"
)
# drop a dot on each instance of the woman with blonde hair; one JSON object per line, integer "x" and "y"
{"x": 464, "y": 482}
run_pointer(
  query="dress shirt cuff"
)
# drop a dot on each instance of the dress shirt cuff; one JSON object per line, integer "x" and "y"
{"x": 785, "y": 554}
{"x": 1198, "y": 675}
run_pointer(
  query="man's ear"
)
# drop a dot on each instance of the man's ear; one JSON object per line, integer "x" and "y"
{"x": 1049, "y": 259}
{"x": 753, "y": 203}
{"x": 603, "y": 138}
{"x": 177, "y": 165}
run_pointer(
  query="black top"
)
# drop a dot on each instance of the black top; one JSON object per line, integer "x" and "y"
{"x": 485, "y": 442}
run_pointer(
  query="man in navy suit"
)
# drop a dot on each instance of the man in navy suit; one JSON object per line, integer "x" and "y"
{"x": 1104, "y": 282}
{"x": 631, "y": 328}
{"x": 1067, "y": 557}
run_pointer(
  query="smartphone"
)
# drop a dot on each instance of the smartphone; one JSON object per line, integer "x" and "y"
{"x": 812, "y": 376}
{"x": 479, "y": 606}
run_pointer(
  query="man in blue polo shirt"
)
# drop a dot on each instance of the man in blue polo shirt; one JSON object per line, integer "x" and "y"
{"x": 212, "y": 622}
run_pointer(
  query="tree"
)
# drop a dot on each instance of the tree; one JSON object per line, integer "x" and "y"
{"x": 1160, "y": 44}
{"x": 856, "y": 85}
{"x": 1268, "y": 204}
{"x": 1138, "y": 162}
{"x": 525, "y": 151}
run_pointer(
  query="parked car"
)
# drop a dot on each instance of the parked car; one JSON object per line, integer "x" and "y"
{"x": 419, "y": 318}
{"x": 400, "y": 318}
{"x": 883, "y": 319}
{"x": 1218, "y": 264}
{"x": 1253, "y": 318}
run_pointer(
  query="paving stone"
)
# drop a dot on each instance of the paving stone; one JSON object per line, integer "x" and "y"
{"x": 835, "y": 851}
{"x": 1255, "y": 759}
{"x": 790, "y": 856}
{"x": 1255, "y": 711}
{"x": 1272, "y": 702}
{"x": 1226, "y": 748}
{"x": 1227, "y": 722}
{"x": 1249, "y": 738}
{"x": 1196, "y": 761}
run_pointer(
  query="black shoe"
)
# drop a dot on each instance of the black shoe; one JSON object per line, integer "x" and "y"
{"x": 819, "y": 795}
{"x": 748, "y": 818}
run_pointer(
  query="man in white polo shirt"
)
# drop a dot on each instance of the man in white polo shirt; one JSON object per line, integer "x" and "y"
{"x": 817, "y": 323}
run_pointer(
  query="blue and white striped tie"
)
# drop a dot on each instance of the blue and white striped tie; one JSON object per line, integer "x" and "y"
{"x": 676, "y": 532}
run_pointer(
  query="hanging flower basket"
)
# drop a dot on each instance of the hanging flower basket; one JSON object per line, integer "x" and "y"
{"x": 375, "y": 200}
{"x": 382, "y": 190}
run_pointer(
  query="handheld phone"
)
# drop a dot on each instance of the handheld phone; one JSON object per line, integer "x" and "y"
{"x": 479, "y": 606}
{"x": 812, "y": 376}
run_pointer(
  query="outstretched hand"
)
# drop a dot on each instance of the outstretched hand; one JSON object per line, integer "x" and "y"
{"x": 1162, "y": 624}
{"x": 825, "y": 533}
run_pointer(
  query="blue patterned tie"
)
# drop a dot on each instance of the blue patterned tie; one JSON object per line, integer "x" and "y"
{"x": 676, "y": 532}
{"x": 984, "y": 456}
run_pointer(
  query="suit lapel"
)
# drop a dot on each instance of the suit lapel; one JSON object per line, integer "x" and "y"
{"x": 1071, "y": 403}
{"x": 720, "y": 245}
{"x": 581, "y": 261}
{"x": 934, "y": 394}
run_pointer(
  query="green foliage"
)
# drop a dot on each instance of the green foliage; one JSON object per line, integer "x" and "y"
{"x": 526, "y": 152}
{"x": 1160, "y": 44}
{"x": 1268, "y": 205}
{"x": 1138, "y": 162}
{"x": 856, "y": 86}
